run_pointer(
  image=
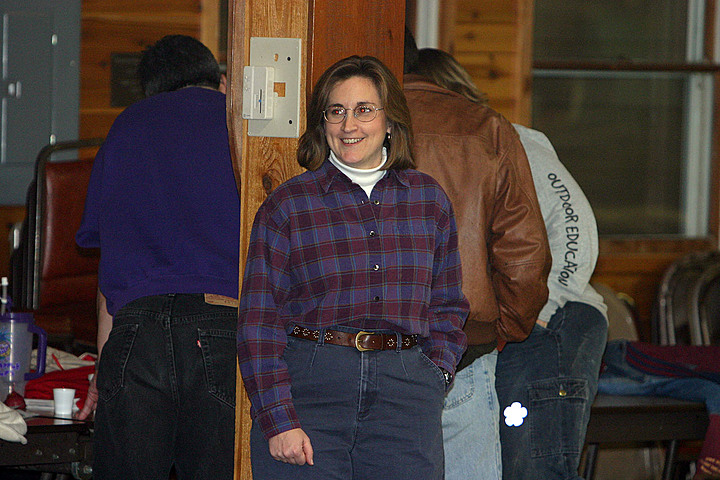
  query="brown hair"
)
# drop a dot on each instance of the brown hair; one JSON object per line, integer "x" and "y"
{"x": 313, "y": 148}
{"x": 444, "y": 70}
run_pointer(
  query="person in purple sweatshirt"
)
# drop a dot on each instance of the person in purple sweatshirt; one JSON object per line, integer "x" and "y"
{"x": 163, "y": 208}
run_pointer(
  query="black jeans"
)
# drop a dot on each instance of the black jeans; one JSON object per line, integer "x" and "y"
{"x": 166, "y": 380}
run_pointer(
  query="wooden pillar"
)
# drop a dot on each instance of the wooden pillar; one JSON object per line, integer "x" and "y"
{"x": 329, "y": 30}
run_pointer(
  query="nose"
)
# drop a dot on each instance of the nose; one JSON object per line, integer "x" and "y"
{"x": 349, "y": 123}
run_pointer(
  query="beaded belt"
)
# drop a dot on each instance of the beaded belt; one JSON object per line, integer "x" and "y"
{"x": 363, "y": 341}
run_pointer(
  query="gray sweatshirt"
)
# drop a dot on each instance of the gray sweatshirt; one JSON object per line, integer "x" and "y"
{"x": 570, "y": 223}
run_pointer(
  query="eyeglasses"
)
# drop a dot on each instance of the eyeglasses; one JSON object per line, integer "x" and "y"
{"x": 365, "y": 112}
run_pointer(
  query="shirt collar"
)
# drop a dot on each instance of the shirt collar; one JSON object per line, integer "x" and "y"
{"x": 328, "y": 173}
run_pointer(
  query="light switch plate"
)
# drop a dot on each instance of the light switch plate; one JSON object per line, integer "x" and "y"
{"x": 258, "y": 93}
{"x": 283, "y": 56}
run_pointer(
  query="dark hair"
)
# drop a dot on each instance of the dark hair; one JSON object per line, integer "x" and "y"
{"x": 411, "y": 52}
{"x": 313, "y": 148}
{"x": 177, "y": 61}
{"x": 444, "y": 70}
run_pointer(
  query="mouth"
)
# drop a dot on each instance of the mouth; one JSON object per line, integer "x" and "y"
{"x": 350, "y": 141}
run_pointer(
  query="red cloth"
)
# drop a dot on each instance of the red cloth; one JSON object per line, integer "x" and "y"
{"x": 77, "y": 378}
{"x": 702, "y": 358}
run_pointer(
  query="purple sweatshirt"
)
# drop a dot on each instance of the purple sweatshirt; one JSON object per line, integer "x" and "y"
{"x": 162, "y": 204}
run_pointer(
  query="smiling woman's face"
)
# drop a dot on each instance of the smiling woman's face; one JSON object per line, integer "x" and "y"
{"x": 356, "y": 144}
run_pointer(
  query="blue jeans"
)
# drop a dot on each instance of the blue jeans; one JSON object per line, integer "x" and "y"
{"x": 369, "y": 415}
{"x": 553, "y": 376}
{"x": 619, "y": 378}
{"x": 470, "y": 423}
{"x": 166, "y": 380}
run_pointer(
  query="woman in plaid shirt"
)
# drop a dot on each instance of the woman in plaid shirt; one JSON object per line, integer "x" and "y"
{"x": 351, "y": 310}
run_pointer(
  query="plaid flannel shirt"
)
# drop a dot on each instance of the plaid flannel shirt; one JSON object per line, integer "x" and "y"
{"x": 322, "y": 254}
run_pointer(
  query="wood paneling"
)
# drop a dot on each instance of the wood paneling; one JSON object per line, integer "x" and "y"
{"x": 492, "y": 40}
{"x": 486, "y": 11}
{"x": 141, "y": 7}
{"x": 486, "y": 38}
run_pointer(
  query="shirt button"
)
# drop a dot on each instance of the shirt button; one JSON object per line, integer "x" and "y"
{"x": 372, "y": 233}
{"x": 376, "y": 267}
{"x": 377, "y": 202}
{"x": 376, "y": 298}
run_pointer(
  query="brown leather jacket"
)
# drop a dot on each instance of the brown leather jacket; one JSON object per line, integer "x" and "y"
{"x": 477, "y": 157}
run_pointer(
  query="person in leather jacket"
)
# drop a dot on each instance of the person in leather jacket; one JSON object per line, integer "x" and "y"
{"x": 477, "y": 157}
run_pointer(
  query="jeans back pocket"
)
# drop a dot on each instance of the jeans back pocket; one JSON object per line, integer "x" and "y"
{"x": 114, "y": 359}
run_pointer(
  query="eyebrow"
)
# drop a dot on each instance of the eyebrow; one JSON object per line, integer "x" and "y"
{"x": 362, "y": 102}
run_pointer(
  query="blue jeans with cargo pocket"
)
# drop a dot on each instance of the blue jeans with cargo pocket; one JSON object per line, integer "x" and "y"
{"x": 166, "y": 380}
{"x": 553, "y": 374}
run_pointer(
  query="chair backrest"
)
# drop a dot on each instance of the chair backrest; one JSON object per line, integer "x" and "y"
{"x": 621, "y": 318}
{"x": 55, "y": 277}
{"x": 673, "y": 313}
{"x": 66, "y": 274}
{"x": 706, "y": 307}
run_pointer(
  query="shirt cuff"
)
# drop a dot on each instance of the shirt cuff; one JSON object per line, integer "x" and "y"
{"x": 277, "y": 420}
{"x": 444, "y": 359}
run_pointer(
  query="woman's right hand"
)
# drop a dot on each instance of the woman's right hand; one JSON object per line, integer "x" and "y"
{"x": 292, "y": 447}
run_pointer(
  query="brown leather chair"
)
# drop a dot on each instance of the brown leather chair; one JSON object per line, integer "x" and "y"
{"x": 55, "y": 278}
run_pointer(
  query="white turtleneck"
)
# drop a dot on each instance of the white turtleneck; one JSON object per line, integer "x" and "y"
{"x": 366, "y": 178}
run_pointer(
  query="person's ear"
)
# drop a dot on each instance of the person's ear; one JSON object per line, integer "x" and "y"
{"x": 223, "y": 83}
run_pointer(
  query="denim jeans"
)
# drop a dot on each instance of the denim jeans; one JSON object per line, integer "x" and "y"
{"x": 369, "y": 415}
{"x": 619, "y": 378}
{"x": 166, "y": 380}
{"x": 553, "y": 375}
{"x": 470, "y": 423}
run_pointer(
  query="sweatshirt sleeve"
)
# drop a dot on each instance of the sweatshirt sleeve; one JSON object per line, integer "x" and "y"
{"x": 569, "y": 220}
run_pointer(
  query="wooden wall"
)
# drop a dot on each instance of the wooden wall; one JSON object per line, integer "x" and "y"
{"x": 493, "y": 41}
{"x": 128, "y": 26}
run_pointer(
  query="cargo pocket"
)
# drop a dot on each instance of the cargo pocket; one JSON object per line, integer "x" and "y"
{"x": 556, "y": 412}
{"x": 220, "y": 358}
{"x": 115, "y": 354}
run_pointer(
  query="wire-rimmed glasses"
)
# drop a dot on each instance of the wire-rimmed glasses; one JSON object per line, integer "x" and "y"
{"x": 365, "y": 112}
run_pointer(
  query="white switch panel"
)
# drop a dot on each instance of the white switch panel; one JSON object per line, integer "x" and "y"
{"x": 258, "y": 94}
{"x": 283, "y": 56}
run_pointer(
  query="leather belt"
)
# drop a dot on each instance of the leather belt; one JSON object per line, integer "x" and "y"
{"x": 363, "y": 341}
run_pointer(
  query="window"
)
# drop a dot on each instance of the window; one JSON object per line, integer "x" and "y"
{"x": 625, "y": 93}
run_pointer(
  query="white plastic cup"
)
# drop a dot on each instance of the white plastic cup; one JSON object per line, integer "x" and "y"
{"x": 63, "y": 401}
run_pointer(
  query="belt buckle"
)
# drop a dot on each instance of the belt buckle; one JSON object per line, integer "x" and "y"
{"x": 357, "y": 341}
